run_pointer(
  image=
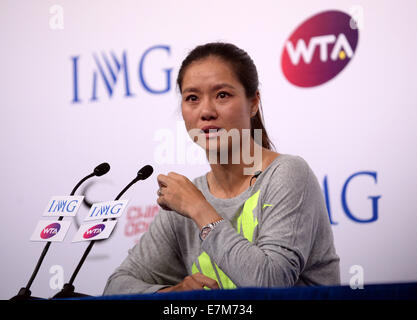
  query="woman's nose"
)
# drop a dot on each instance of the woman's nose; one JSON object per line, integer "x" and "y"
{"x": 208, "y": 110}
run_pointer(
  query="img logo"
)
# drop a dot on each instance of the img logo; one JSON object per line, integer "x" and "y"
{"x": 64, "y": 206}
{"x": 94, "y": 231}
{"x": 50, "y": 230}
{"x": 109, "y": 70}
{"x": 108, "y": 209}
{"x": 319, "y": 49}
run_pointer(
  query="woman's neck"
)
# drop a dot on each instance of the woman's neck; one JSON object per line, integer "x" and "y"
{"x": 229, "y": 180}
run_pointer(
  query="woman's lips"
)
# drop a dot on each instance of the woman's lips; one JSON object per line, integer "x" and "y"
{"x": 212, "y": 132}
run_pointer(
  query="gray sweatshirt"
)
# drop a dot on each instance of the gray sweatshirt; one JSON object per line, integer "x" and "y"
{"x": 275, "y": 234}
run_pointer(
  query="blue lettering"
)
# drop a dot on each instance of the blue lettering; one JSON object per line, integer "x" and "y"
{"x": 50, "y": 208}
{"x": 327, "y": 198}
{"x": 118, "y": 206}
{"x": 60, "y": 206}
{"x": 374, "y": 199}
{"x": 71, "y": 209}
{"x": 104, "y": 209}
{"x": 111, "y": 82}
{"x": 75, "y": 98}
{"x": 100, "y": 211}
{"x": 94, "y": 210}
{"x": 167, "y": 71}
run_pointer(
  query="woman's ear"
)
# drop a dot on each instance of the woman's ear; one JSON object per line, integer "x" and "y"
{"x": 255, "y": 104}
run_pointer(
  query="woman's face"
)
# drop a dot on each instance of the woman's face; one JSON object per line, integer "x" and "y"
{"x": 213, "y": 98}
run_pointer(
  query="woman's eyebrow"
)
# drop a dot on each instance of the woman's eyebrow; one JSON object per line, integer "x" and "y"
{"x": 213, "y": 88}
{"x": 191, "y": 89}
{"x": 221, "y": 86}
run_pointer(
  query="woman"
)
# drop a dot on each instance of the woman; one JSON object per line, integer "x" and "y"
{"x": 228, "y": 229}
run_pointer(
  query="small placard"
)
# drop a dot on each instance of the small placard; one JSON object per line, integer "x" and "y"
{"x": 63, "y": 206}
{"x": 48, "y": 230}
{"x": 106, "y": 210}
{"x": 94, "y": 231}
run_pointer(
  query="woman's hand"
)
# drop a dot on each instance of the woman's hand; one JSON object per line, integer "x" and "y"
{"x": 176, "y": 192}
{"x": 179, "y": 194}
{"x": 196, "y": 281}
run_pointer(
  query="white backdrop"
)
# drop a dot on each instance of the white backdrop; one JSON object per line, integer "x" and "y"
{"x": 364, "y": 119}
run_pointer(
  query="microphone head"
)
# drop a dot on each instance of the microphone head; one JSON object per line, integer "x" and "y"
{"x": 101, "y": 169}
{"x": 145, "y": 172}
{"x": 257, "y": 173}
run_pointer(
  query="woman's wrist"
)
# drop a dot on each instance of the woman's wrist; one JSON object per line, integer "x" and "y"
{"x": 166, "y": 289}
{"x": 204, "y": 214}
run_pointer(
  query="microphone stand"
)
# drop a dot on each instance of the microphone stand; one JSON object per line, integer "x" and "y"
{"x": 68, "y": 289}
{"x": 25, "y": 293}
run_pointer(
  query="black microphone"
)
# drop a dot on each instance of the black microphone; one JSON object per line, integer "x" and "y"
{"x": 68, "y": 289}
{"x": 98, "y": 171}
{"x": 143, "y": 173}
{"x": 25, "y": 293}
{"x": 255, "y": 175}
{"x": 101, "y": 169}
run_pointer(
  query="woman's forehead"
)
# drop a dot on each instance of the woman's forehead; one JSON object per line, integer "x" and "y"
{"x": 209, "y": 72}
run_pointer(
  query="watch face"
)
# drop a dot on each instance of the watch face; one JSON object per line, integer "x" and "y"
{"x": 205, "y": 232}
{"x": 206, "y": 229}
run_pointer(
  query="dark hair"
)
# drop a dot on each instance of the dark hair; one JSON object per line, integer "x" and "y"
{"x": 244, "y": 69}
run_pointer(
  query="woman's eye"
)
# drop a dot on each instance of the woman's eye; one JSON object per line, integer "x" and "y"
{"x": 223, "y": 95}
{"x": 191, "y": 97}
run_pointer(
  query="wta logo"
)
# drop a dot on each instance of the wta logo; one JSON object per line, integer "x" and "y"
{"x": 50, "y": 230}
{"x": 94, "y": 231}
{"x": 319, "y": 49}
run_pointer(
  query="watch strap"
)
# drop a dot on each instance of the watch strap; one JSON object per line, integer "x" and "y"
{"x": 207, "y": 229}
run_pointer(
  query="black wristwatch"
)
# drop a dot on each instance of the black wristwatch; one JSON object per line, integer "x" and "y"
{"x": 207, "y": 228}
